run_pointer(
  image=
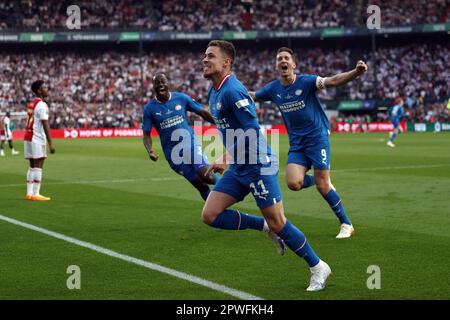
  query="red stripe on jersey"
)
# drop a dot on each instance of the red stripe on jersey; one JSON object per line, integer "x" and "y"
{"x": 30, "y": 120}
{"x": 223, "y": 81}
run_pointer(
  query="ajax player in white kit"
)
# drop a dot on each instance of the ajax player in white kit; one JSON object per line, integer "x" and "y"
{"x": 6, "y": 134}
{"x": 35, "y": 142}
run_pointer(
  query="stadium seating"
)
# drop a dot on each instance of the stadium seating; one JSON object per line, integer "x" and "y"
{"x": 91, "y": 89}
{"x": 208, "y": 15}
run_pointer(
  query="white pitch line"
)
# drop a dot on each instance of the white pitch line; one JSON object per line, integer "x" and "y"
{"x": 179, "y": 178}
{"x": 95, "y": 181}
{"x": 425, "y": 166}
{"x": 143, "y": 263}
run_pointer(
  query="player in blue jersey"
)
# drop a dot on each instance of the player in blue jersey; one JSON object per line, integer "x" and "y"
{"x": 167, "y": 113}
{"x": 308, "y": 128}
{"x": 253, "y": 168}
{"x": 396, "y": 112}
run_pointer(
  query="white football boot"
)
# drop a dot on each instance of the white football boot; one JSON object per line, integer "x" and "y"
{"x": 390, "y": 144}
{"x": 319, "y": 275}
{"x": 279, "y": 243}
{"x": 346, "y": 231}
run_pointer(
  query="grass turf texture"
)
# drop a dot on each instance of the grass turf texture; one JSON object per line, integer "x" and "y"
{"x": 401, "y": 215}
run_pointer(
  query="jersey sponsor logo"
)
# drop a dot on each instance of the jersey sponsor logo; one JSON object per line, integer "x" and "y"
{"x": 173, "y": 121}
{"x": 221, "y": 123}
{"x": 242, "y": 103}
{"x": 292, "y": 106}
{"x": 177, "y": 107}
{"x": 298, "y": 92}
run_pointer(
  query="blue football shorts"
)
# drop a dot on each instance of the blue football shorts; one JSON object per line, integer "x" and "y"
{"x": 239, "y": 183}
{"x": 312, "y": 153}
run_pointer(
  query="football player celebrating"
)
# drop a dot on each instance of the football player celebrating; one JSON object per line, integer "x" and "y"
{"x": 167, "y": 113}
{"x": 253, "y": 168}
{"x": 308, "y": 128}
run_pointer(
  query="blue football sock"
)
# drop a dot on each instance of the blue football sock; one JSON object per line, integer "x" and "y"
{"x": 296, "y": 241}
{"x": 236, "y": 220}
{"x": 335, "y": 203}
{"x": 308, "y": 181}
{"x": 394, "y": 135}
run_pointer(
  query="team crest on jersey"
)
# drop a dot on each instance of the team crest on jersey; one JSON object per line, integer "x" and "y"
{"x": 218, "y": 106}
{"x": 178, "y": 107}
{"x": 298, "y": 92}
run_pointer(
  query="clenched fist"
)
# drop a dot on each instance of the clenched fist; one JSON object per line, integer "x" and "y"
{"x": 361, "y": 67}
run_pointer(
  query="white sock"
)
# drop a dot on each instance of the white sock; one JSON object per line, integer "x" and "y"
{"x": 30, "y": 173}
{"x": 316, "y": 267}
{"x": 37, "y": 177}
{"x": 266, "y": 227}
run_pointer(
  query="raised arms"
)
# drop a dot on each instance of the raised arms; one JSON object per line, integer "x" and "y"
{"x": 343, "y": 78}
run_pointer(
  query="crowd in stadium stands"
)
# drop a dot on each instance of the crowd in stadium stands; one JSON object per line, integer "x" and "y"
{"x": 417, "y": 72}
{"x": 209, "y": 15}
{"x": 38, "y": 15}
{"x": 105, "y": 90}
{"x": 196, "y": 15}
{"x": 401, "y": 12}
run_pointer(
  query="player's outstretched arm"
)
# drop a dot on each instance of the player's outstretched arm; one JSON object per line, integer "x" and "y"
{"x": 206, "y": 115}
{"x": 148, "y": 146}
{"x": 345, "y": 77}
{"x": 48, "y": 135}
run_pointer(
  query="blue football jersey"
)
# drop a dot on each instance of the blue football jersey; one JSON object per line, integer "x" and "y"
{"x": 397, "y": 111}
{"x": 300, "y": 107}
{"x": 169, "y": 116}
{"x": 234, "y": 113}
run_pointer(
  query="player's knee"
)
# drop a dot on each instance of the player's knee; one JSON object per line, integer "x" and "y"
{"x": 208, "y": 216}
{"x": 275, "y": 223}
{"x": 295, "y": 185}
{"x": 323, "y": 186}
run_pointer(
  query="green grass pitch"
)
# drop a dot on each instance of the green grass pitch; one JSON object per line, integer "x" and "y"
{"x": 107, "y": 192}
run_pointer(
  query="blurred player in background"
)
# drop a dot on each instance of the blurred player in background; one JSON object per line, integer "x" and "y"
{"x": 167, "y": 113}
{"x": 396, "y": 112}
{"x": 37, "y": 134}
{"x": 308, "y": 128}
{"x": 6, "y": 134}
{"x": 235, "y": 116}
